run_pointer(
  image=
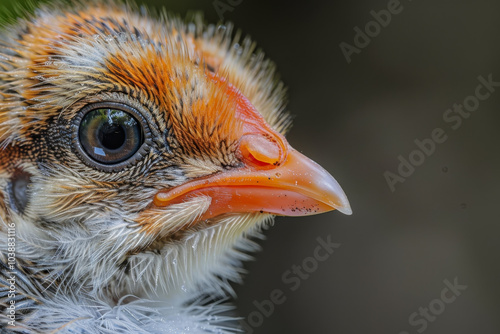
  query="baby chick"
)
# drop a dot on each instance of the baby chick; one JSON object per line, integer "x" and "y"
{"x": 139, "y": 155}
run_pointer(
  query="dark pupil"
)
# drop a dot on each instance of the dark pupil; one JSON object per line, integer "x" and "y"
{"x": 110, "y": 136}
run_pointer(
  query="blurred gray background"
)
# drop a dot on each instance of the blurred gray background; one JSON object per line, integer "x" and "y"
{"x": 356, "y": 119}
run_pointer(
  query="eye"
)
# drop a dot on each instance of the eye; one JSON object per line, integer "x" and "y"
{"x": 110, "y": 135}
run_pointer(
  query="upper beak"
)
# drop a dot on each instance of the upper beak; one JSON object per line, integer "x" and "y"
{"x": 274, "y": 178}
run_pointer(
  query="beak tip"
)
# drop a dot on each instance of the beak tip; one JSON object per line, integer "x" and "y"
{"x": 345, "y": 209}
{"x": 341, "y": 203}
{"x": 338, "y": 199}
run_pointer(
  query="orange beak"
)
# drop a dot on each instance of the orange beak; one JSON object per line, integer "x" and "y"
{"x": 274, "y": 178}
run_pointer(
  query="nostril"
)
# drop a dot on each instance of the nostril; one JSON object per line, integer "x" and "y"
{"x": 19, "y": 183}
{"x": 260, "y": 150}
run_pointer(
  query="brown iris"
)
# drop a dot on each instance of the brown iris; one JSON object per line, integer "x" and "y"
{"x": 110, "y": 136}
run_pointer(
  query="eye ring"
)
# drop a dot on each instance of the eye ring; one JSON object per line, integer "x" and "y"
{"x": 110, "y": 136}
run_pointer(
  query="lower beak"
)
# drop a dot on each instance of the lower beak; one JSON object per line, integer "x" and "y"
{"x": 296, "y": 187}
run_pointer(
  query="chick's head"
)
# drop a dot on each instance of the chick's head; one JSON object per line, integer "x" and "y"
{"x": 140, "y": 151}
